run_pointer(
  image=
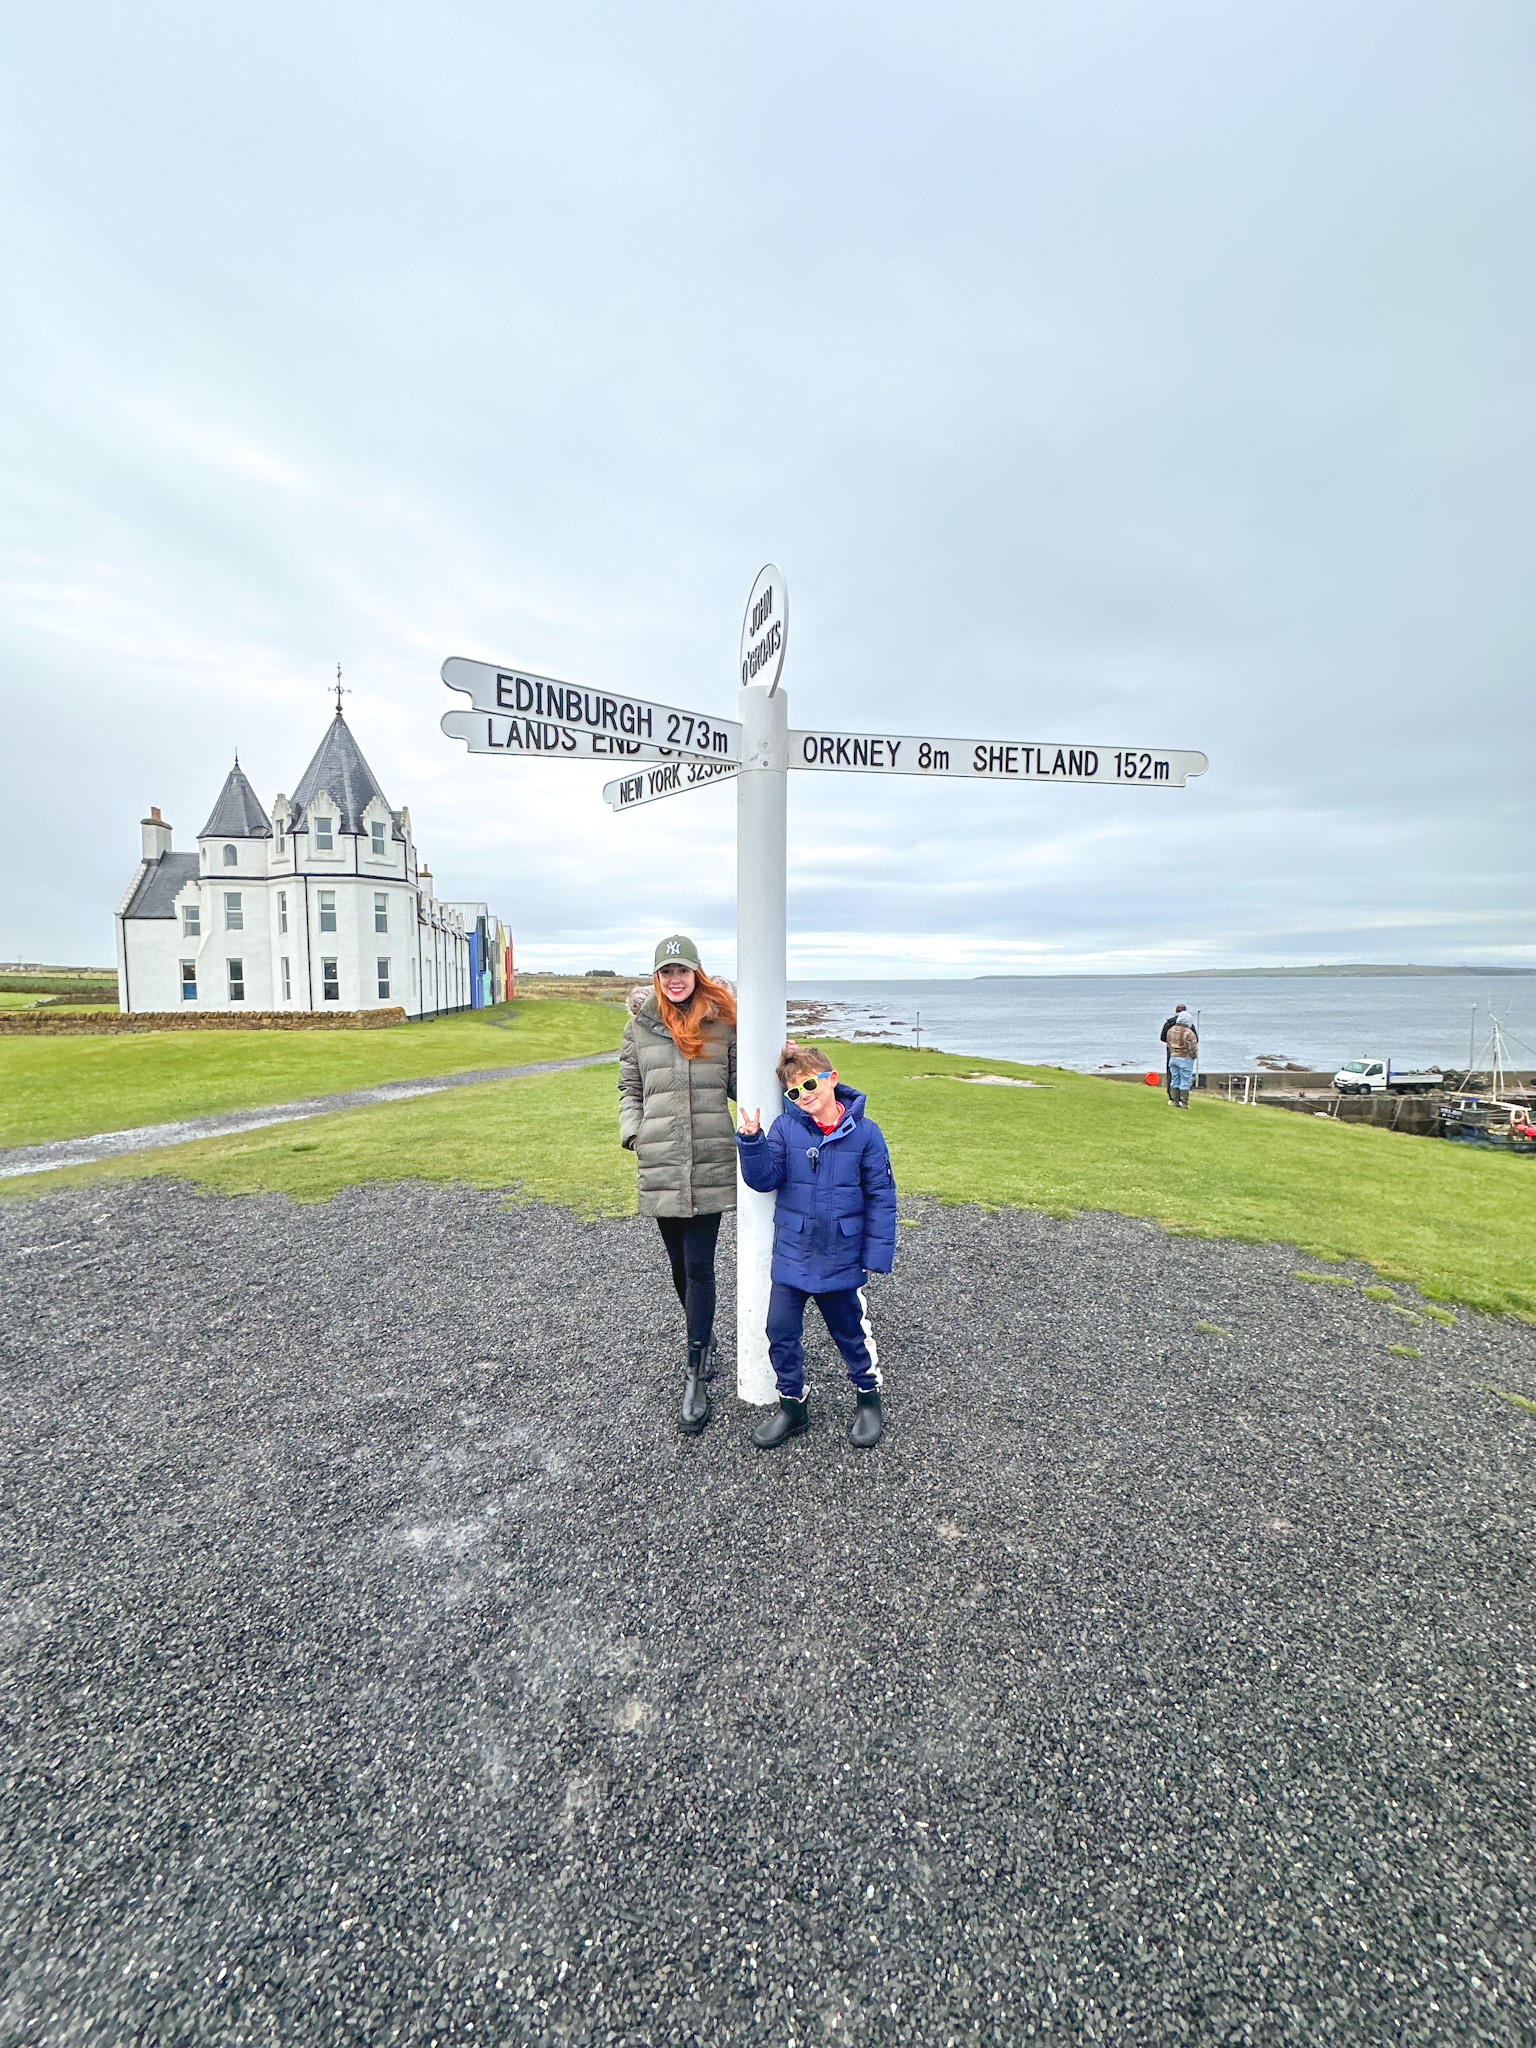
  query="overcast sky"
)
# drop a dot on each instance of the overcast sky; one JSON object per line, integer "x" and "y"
{"x": 1124, "y": 372}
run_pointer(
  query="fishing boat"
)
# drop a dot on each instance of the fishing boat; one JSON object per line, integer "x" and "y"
{"x": 1501, "y": 1118}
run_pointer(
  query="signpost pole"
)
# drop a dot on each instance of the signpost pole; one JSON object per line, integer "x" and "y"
{"x": 515, "y": 713}
{"x": 761, "y": 791}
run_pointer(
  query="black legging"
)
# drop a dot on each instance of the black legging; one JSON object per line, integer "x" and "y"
{"x": 690, "y": 1243}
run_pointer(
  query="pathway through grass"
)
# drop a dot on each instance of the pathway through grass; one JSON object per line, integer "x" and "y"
{"x": 73, "y": 1087}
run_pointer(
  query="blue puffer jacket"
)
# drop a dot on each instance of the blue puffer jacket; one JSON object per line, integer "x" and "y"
{"x": 836, "y": 1214}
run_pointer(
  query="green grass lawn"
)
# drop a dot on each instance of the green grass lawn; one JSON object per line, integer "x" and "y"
{"x": 73, "y": 1087}
{"x": 1459, "y": 1223}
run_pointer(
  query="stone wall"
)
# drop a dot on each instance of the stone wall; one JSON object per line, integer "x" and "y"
{"x": 85, "y": 1023}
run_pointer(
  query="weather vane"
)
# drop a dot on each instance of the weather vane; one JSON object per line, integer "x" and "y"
{"x": 340, "y": 692}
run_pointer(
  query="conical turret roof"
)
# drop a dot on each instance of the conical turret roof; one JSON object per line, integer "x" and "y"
{"x": 340, "y": 770}
{"x": 238, "y": 813}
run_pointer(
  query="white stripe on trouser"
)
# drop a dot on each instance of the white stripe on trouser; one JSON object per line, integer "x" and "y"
{"x": 869, "y": 1336}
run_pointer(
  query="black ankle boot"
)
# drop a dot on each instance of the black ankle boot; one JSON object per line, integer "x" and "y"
{"x": 695, "y": 1411}
{"x": 711, "y": 1358}
{"x": 868, "y": 1425}
{"x": 792, "y": 1418}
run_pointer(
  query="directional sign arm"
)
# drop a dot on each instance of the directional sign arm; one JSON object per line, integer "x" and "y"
{"x": 632, "y": 727}
{"x": 873, "y": 753}
{"x": 515, "y": 738}
{"x": 650, "y": 785}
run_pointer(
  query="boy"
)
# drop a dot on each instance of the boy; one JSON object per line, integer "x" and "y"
{"x": 834, "y": 1223}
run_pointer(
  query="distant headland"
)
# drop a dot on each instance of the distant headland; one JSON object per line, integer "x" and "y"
{"x": 1347, "y": 967}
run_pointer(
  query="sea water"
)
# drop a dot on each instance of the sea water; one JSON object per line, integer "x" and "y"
{"x": 1094, "y": 1021}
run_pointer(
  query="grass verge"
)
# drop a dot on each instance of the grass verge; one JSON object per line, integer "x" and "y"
{"x": 74, "y": 1087}
{"x": 546, "y": 1138}
{"x": 1458, "y": 1223}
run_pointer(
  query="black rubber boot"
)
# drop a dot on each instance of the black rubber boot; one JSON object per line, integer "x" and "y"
{"x": 868, "y": 1425}
{"x": 793, "y": 1418}
{"x": 695, "y": 1394}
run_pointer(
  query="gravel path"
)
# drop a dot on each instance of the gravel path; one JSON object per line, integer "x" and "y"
{"x": 381, "y": 1665}
{"x": 21, "y": 1159}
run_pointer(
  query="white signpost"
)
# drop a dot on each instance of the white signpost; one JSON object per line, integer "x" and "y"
{"x": 517, "y": 714}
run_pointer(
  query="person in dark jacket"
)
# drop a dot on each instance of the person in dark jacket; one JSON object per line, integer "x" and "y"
{"x": 1183, "y": 1043}
{"x": 1180, "y": 1020}
{"x": 834, "y": 1224}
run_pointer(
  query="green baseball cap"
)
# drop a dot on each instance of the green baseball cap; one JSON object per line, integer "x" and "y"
{"x": 677, "y": 952}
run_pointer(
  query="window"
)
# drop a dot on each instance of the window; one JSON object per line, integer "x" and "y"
{"x": 191, "y": 920}
{"x": 330, "y": 982}
{"x": 323, "y": 840}
{"x": 189, "y": 981}
{"x": 378, "y": 839}
{"x": 282, "y": 910}
{"x": 234, "y": 915}
{"x": 287, "y": 981}
{"x": 231, "y": 856}
{"x": 383, "y": 979}
{"x": 327, "y": 910}
{"x": 381, "y": 912}
{"x": 237, "y": 981}
{"x": 280, "y": 841}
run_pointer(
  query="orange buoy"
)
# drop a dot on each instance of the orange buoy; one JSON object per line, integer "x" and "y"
{"x": 1154, "y": 1080}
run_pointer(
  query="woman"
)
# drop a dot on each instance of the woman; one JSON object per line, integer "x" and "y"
{"x": 677, "y": 1077}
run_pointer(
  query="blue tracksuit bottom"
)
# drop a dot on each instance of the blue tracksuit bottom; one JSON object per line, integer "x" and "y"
{"x": 847, "y": 1318}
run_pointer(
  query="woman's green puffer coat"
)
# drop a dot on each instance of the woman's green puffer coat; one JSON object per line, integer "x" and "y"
{"x": 673, "y": 1116}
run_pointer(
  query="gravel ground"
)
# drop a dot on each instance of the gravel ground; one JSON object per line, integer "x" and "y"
{"x": 381, "y": 1665}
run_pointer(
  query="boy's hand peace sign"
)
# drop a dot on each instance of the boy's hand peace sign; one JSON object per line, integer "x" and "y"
{"x": 751, "y": 1122}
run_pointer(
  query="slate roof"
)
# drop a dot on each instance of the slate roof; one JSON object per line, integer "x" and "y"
{"x": 238, "y": 813}
{"x": 158, "y": 885}
{"x": 339, "y": 769}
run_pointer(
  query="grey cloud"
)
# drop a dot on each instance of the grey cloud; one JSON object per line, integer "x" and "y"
{"x": 1125, "y": 373}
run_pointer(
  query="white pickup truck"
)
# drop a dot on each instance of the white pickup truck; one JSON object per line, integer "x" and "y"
{"x": 1380, "y": 1077}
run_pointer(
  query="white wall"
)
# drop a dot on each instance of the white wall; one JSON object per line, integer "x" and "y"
{"x": 422, "y": 934}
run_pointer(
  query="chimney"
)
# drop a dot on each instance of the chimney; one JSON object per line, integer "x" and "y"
{"x": 157, "y": 834}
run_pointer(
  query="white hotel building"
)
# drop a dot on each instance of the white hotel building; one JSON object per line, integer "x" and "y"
{"x": 321, "y": 905}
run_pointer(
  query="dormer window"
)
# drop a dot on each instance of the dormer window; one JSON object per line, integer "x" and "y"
{"x": 323, "y": 840}
{"x": 231, "y": 856}
{"x": 280, "y": 841}
{"x": 378, "y": 839}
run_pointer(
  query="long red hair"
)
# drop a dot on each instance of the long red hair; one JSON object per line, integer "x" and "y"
{"x": 710, "y": 999}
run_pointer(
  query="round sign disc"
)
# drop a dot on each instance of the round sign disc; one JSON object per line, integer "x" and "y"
{"x": 765, "y": 629}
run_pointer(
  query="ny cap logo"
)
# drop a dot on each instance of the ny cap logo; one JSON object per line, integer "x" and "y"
{"x": 673, "y": 946}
